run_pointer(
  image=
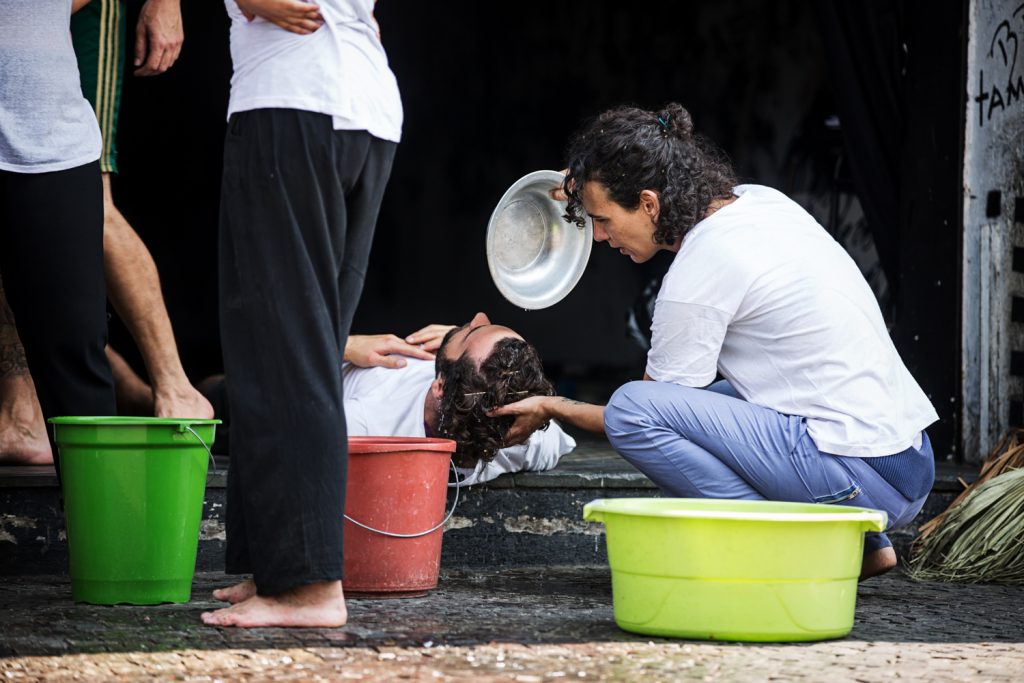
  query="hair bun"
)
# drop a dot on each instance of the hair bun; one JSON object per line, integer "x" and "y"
{"x": 676, "y": 120}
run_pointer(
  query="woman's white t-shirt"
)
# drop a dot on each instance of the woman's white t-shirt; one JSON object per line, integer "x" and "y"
{"x": 761, "y": 293}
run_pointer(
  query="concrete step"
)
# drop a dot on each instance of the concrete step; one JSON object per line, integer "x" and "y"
{"x": 527, "y": 519}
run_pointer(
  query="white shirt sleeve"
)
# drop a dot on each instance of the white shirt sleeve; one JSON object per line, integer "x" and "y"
{"x": 541, "y": 451}
{"x": 686, "y": 340}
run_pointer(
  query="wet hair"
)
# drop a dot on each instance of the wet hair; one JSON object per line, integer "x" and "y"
{"x": 513, "y": 371}
{"x": 628, "y": 150}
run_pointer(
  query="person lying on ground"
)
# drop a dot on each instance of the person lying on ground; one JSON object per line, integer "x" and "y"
{"x": 478, "y": 366}
{"x": 396, "y": 387}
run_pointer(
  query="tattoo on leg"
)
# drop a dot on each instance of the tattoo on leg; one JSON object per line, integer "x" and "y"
{"x": 12, "y": 355}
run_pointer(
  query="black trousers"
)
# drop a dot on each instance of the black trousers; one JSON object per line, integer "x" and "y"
{"x": 51, "y": 261}
{"x": 299, "y": 205}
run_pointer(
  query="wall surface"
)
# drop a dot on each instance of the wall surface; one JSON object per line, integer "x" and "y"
{"x": 992, "y": 364}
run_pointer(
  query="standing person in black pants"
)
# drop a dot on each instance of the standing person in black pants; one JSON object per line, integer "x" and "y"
{"x": 314, "y": 118}
{"x": 51, "y": 214}
{"x": 133, "y": 285}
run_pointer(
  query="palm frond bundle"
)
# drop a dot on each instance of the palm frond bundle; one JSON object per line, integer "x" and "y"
{"x": 980, "y": 537}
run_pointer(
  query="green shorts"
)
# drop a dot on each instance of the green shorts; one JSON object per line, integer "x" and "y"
{"x": 98, "y": 33}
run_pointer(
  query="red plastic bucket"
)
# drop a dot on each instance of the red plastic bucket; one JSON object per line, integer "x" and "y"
{"x": 394, "y": 513}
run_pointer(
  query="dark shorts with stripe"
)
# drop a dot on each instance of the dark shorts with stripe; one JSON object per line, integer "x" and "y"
{"x": 98, "y": 33}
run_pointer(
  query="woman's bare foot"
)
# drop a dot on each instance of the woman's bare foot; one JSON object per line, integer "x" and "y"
{"x": 237, "y": 593}
{"x": 23, "y": 439}
{"x": 316, "y": 605}
{"x": 877, "y": 562}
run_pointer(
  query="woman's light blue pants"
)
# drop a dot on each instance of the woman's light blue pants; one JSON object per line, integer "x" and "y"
{"x": 710, "y": 443}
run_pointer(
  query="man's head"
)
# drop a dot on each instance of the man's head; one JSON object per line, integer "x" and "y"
{"x": 644, "y": 177}
{"x": 481, "y": 366}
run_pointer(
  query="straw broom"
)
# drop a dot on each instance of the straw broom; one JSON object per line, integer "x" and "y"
{"x": 980, "y": 537}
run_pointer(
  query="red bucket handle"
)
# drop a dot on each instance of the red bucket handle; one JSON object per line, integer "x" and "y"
{"x": 422, "y": 533}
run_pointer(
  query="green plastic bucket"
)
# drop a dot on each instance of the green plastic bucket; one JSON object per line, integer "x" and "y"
{"x": 133, "y": 499}
{"x": 734, "y": 569}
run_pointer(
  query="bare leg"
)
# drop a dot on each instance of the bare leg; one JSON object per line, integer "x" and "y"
{"x": 134, "y": 396}
{"x": 23, "y": 439}
{"x": 237, "y": 593}
{"x": 877, "y": 562}
{"x": 314, "y": 605}
{"x": 133, "y": 286}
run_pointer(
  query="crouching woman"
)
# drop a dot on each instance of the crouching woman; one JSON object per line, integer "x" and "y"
{"x": 814, "y": 403}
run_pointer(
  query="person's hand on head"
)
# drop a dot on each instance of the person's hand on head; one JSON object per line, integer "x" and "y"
{"x": 430, "y": 337}
{"x": 158, "y": 37}
{"x": 382, "y": 351}
{"x": 530, "y": 415}
{"x": 296, "y": 16}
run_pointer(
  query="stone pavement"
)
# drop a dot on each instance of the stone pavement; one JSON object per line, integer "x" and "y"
{"x": 522, "y": 624}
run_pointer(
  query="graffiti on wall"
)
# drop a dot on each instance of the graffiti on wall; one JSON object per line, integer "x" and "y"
{"x": 1005, "y": 85}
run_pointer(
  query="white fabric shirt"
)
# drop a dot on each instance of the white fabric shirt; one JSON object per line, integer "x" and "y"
{"x": 762, "y": 293}
{"x": 340, "y": 70}
{"x": 46, "y": 124}
{"x": 389, "y": 402}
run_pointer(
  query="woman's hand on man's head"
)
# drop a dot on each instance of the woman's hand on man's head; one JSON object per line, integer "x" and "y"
{"x": 530, "y": 415}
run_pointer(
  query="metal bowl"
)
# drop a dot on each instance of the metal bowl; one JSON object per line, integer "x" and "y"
{"x": 534, "y": 255}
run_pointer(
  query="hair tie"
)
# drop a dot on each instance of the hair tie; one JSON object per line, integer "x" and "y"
{"x": 664, "y": 122}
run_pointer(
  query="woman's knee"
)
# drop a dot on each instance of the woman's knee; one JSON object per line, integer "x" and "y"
{"x": 624, "y": 415}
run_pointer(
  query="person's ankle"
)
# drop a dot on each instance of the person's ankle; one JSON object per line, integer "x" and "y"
{"x": 320, "y": 591}
{"x": 19, "y": 405}
{"x": 877, "y": 562}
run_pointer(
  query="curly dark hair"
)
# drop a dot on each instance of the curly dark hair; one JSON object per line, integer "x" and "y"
{"x": 511, "y": 373}
{"x": 629, "y": 150}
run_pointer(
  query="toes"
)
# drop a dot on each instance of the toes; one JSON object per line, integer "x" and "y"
{"x": 220, "y": 617}
{"x": 224, "y": 595}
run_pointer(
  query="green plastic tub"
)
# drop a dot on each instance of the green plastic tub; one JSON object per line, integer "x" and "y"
{"x": 133, "y": 499}
{"x": 734, "y": 569}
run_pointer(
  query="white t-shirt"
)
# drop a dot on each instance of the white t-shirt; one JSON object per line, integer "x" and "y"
{"x": 389, "y": 402}
{"x": 46, "y": 124}
{"x": 340, "y": 69}
{"x": 762, "y": 293}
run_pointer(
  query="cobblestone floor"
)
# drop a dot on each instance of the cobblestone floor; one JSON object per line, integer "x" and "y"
{"x": 504, "y": 625}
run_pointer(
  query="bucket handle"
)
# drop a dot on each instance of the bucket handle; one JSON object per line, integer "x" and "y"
{"x": 422, "y": 533}
{"x": 213, "y": 463}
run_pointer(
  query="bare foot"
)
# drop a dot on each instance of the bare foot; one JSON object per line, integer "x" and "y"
{"x": 23, "y": 439}
{"x": 171, "y": 398}
{"x": 237, "y": 593}
{"x": 877, "y": 562}
{"x": 316, "y": 605}
{"x": 181, "y": 401}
